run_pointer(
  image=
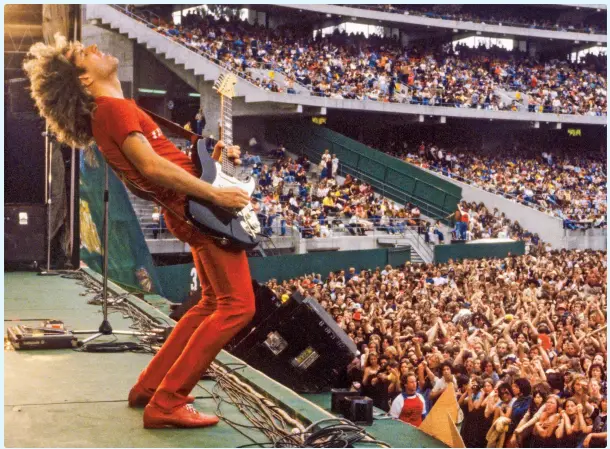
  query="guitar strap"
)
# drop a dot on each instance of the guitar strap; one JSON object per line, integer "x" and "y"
{"x": 175, "y": 128}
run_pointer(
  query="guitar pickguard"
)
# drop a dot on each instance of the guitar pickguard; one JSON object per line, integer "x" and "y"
{"x": 223, "y": 180}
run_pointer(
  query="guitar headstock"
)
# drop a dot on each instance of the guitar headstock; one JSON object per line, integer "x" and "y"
{"x": 225, "y": 85}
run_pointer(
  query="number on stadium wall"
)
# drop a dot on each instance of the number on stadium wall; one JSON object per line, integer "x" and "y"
{"x": 195, "y": 283}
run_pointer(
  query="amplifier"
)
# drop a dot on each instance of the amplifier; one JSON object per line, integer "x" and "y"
{"x": 300, "y": 346}
{"x": 337, "y": 397}
{"x": 25, "y": 233}
{"x": 359, "y": 410}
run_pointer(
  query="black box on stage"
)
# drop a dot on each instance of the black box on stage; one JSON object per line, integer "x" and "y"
{"x": 359, "y": 410}
{"x": 266, "y": 303}
{"x": 25, "y": 233}
{"x": 337, "y": 396}
{"x": 300, "y": 346}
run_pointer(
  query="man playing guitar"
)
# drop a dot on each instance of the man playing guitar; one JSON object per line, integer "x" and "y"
{"x": 78, "y": 92}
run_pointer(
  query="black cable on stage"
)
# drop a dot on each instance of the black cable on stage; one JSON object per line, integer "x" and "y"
{"x": 262, "y": 413}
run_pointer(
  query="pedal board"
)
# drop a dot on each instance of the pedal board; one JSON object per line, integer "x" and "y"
{"x": 46, "y": 337}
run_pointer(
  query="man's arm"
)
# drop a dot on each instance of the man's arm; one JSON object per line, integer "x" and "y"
{"x": 166, "y": 174}
{"x": 397, "y": 407}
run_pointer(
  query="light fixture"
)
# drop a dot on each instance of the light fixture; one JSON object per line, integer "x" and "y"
{"x": 192, "y": 94}
{"x": 152, "y": 91}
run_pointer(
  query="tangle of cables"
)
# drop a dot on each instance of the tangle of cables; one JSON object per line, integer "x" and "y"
{"x": 152, "y": 330}
{"x": 281, "y": 429}
{"x": 263, "y": 414}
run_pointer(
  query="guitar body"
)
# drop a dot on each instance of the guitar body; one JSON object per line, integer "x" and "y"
{"x": 237, "y": 230}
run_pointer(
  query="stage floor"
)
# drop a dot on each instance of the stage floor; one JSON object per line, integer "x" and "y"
{"x": 65, "y": 398}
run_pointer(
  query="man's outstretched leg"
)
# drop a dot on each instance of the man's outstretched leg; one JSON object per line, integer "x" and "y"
{"x": 153, "y": 374}
{"x": 229, "y": 276}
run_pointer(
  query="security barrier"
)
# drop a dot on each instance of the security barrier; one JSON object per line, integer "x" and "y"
{"x": 459, "y": 251}
{"x": 178, "y": 281}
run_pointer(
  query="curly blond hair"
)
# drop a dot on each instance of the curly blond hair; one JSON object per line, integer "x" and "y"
{"x": 58, "y": 92}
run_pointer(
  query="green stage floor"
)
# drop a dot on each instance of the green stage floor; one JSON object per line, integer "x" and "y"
{"x": 65, "y": 398}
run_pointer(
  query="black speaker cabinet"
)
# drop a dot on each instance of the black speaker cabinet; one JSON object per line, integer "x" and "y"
{"x": 25, "y": 233}
{"x": 359, "y": 410}
{"x": 338, "y": 395}
{"x": 266, "y": 303}
{"x": 300, "y": 346}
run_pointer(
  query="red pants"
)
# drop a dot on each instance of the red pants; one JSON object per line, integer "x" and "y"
{"x": 226, "y": 306}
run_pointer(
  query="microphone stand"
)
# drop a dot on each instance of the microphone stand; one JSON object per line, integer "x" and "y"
{"x": 105, "y": 327}
{"x": 48, "y": 143}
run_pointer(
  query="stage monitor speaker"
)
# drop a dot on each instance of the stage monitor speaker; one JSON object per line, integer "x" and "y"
{"x": 266, "y": 303}
{"x": 300, "y": 346}
{"x": 359, "y": 410}
{"x": 338, "y": 395}
{"x": 25, "y": 233}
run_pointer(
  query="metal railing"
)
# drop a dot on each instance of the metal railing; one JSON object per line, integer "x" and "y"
{"x": 396, "y": 193}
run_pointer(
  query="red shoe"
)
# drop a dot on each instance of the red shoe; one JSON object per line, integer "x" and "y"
{"x": 139, "y": 397}
{"x": 185, "y": 417}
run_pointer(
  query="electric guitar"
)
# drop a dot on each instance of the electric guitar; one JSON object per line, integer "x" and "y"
{"x": 232, "y": 228}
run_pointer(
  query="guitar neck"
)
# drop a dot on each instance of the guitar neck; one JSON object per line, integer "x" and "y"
{"x": 226, "y": 135}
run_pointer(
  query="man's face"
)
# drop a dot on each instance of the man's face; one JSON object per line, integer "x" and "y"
{"x": 97, "y": 65}
{"x": 411, "y": 385}
{"x": 446, "y": 372}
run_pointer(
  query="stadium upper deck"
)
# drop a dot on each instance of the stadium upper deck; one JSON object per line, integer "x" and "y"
{"x": 546, "y": 22}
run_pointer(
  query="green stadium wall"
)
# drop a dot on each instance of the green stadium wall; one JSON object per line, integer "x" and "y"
{"x": 459, "y": 251}
{"x": 179, "y": 281}
{"x": 389, "y": 176}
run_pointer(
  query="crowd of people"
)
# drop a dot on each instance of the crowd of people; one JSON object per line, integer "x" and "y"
{"x": 474, "y": 221}
{"x": 570, "y": 185}
{"x": 498, "y": 16}
{"x": 351, "y": 66}
{"x": 288, "y": 197}
{"x": 522, "y": 339}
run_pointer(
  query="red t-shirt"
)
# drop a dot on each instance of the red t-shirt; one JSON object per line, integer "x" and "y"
{"x": 113, "y": 121}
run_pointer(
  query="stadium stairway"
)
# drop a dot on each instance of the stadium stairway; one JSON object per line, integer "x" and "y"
{"x": 191, "y": 60}
{"x": 509, "y": 96}
{"x": 143, "y": 210}
{"x": 162, "y": 45}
